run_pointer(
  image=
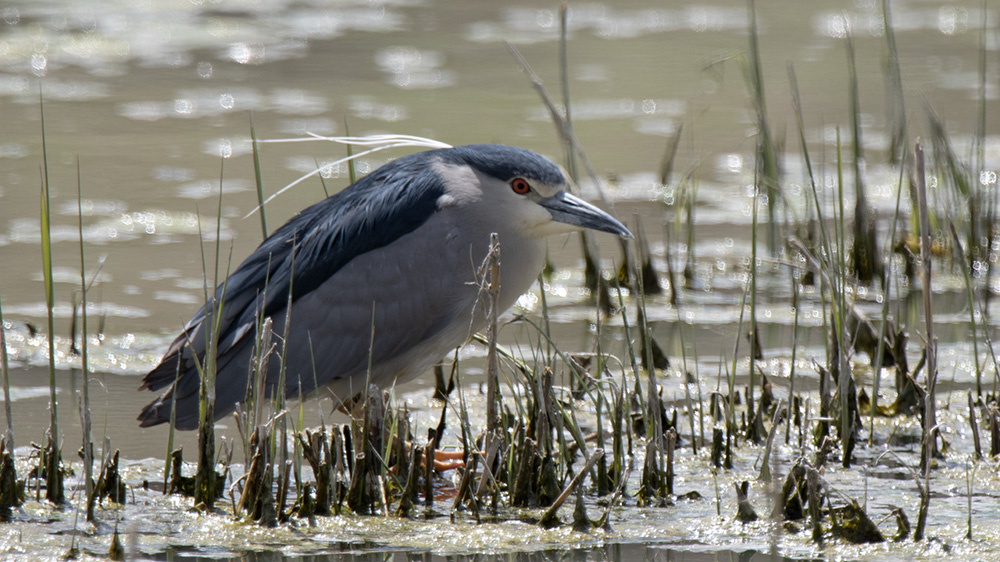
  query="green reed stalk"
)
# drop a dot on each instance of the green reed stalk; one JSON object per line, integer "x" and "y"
{"x": 592, "y": 271}
{"x": 752, "y": 332}
{"x": 731, "y": 374}
{"x": 88, "y": 460}
{"x": 800, "y": 125}
{"x": 970, "y": 296}
{"x": 46, "y": 234}
{"x": 564, "y": 82}
{"x": 670, "y": 156}
{"x": 697, "y": 384}
{"x": 565, "y": 131}
{"x": 653, "y": 421}
{"x": 322, "y": 180}
{"x": 864, "y": 249}
{"x": 351, "y": 172}
{"x": 795, "y": 344}
{"x": 886, "y": 290}
{"x": 599, "y": 406}
{"x": 279, "y": 400}
{"x": 684, "y": 326}
{"x": 630, "y": 346}
{"x": 981, "y": 251}
{"x": 4, "y": 367}
{"x": 688, "y": 399}
{"x": 258, "y": 179}
{"x": 167, "y": 460}
{"x": 53, "y": 453}
{"x": 825, "y": 267}
{"x": 895, "y": 103}
{"x": 833, "y": 268}
{"x": 839, "y": 301}
{"x": 546, "y": 319}
{"x": 767, "y": 158}
{"x": 983, "y": 188}
{"x": 690, "y": 202}
{"x": 206, "y": 484}
{"x": 529, "y": 373}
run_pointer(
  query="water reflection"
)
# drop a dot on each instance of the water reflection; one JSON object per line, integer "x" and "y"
{"x": 44, "y": 37}
{"x": 627, "y": 552}
{"x": 151, "y": 96}
{"x": 409, "y": 67}
{"x": 528, "y": 25}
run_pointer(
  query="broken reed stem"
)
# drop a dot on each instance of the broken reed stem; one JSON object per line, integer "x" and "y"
{"x": 564, "y": 84}
{"x": 668, "y": 468}
{"x": 791, "y": 374}
{"x": 925, "y": 258}
{"x": 930, "y": 414}
{"x": 815, "y": 499}
{"x": 599, "y": 407}
{"x": 492, "y": 366}
{"x": 429, "y": 468}
{"x": 488, "y": 477}
{"x": 550, "y": 513}
{"x": 765, "y": 463}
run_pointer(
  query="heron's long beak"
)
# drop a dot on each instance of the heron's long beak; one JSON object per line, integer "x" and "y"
{"x": 569, "y": 209}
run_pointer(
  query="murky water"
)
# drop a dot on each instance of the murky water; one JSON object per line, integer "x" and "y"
{"x": 154, "y": 101}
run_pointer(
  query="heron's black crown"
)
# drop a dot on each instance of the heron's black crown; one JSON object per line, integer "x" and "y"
{"x": 504, "y": 162}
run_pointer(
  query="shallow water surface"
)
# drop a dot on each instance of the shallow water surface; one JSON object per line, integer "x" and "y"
{"x": 154, "y": 100}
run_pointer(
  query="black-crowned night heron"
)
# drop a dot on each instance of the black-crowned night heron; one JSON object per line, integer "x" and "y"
{"x": 383, "y": 272}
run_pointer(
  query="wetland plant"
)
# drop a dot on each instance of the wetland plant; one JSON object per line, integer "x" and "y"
{"x": 864, "y": 249}
{"x": 767, "y": 167}
{"x": 87, "y": 449}
{"x": 534, "y": 453}
{"x": 50, "y": 465}
{"x": 11, "y": 490}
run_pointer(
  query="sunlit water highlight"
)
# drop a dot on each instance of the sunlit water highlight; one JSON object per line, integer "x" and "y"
{"x": 155, "y": 101}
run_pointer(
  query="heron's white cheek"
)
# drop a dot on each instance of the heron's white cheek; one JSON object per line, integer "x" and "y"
{"x": 537, "y": 222}
{"x": 548, "y": 227}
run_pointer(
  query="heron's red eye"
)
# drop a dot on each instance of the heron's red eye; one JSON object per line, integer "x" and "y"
{"x": 520, "y": 186}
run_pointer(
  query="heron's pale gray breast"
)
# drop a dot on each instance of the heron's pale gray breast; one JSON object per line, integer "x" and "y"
{"x": 411, "y": 292}
{"x": 418, "y": 294}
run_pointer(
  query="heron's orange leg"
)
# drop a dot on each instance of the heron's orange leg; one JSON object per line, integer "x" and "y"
{"x": 447, "y": 460}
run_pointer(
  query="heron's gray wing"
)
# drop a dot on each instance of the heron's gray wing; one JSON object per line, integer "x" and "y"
{"x": 296, "y": 259}
{"x": 400, "y": 308}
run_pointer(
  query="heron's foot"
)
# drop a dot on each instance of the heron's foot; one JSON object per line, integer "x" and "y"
{"x": 443, "y": 460}
{"x": 448, "y": 460}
